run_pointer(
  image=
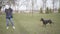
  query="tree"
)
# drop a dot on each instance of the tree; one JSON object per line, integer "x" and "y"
{"x": 50, "y": 10}
{"x": 44, "y": 5}
{"x": 32, "y": 6}
{"x": 11, "y": 2}
{"x": 54, "y": 6}
{"x": 0, "y": 5}
{"x": 59, "y": 4}
{"x": 0, "y": 9}
{"x": 47, "y": 10}
{"x": 41, "y": 11}
{"x": 59, "y": 10}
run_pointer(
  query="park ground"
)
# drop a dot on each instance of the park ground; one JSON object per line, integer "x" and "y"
{"x": 31, "y": 24}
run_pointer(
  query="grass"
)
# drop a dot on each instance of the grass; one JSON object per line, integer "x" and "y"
{"x": 28, "y": 24}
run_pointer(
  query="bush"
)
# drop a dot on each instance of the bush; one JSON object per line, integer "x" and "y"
{"x": 41, "y": 11}
{"x": 59, "y": 10}
{"x": 47, "y": 10}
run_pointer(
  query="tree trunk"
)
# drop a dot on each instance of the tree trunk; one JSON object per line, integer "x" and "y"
{"x": 0, "y": 10}
{"x": 44, "y": 5}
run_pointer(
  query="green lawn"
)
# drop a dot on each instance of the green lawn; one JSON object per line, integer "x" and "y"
{"x": 28, "y": 24}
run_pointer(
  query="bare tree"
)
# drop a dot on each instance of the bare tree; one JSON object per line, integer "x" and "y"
{"x": 54, "y": 2}
{"x": 59, "y": 7}
{"x": 11, "y": 2}
{"x": 32, "y": 6}
{"x": 0, "y": 6}
{"x": 41, "y": 10}
{"x": 44, "y": 5}
{"x": 59, "y": 3}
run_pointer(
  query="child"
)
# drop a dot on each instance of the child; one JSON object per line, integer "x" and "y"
{"x": 9, "y": 16}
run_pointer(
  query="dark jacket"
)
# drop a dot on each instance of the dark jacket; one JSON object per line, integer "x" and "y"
{"x": 8, "y": 13}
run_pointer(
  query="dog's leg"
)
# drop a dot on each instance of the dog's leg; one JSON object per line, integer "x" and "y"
{"x": 44, "y": 25}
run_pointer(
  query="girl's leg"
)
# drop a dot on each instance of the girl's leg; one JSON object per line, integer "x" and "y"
{"x": 11, "y": 20}
{"x": 7, "y": 23}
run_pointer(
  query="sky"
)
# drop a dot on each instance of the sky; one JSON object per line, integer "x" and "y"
{"x": 27, "y": 4}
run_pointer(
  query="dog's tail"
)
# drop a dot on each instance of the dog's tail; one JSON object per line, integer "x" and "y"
{"x": 52, "y": 22}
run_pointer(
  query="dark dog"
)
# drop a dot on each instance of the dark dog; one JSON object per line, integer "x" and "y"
{"x": 46, "y": 21}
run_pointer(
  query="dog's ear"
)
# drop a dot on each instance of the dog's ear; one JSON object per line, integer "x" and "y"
{"x": 41, "y": 18}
